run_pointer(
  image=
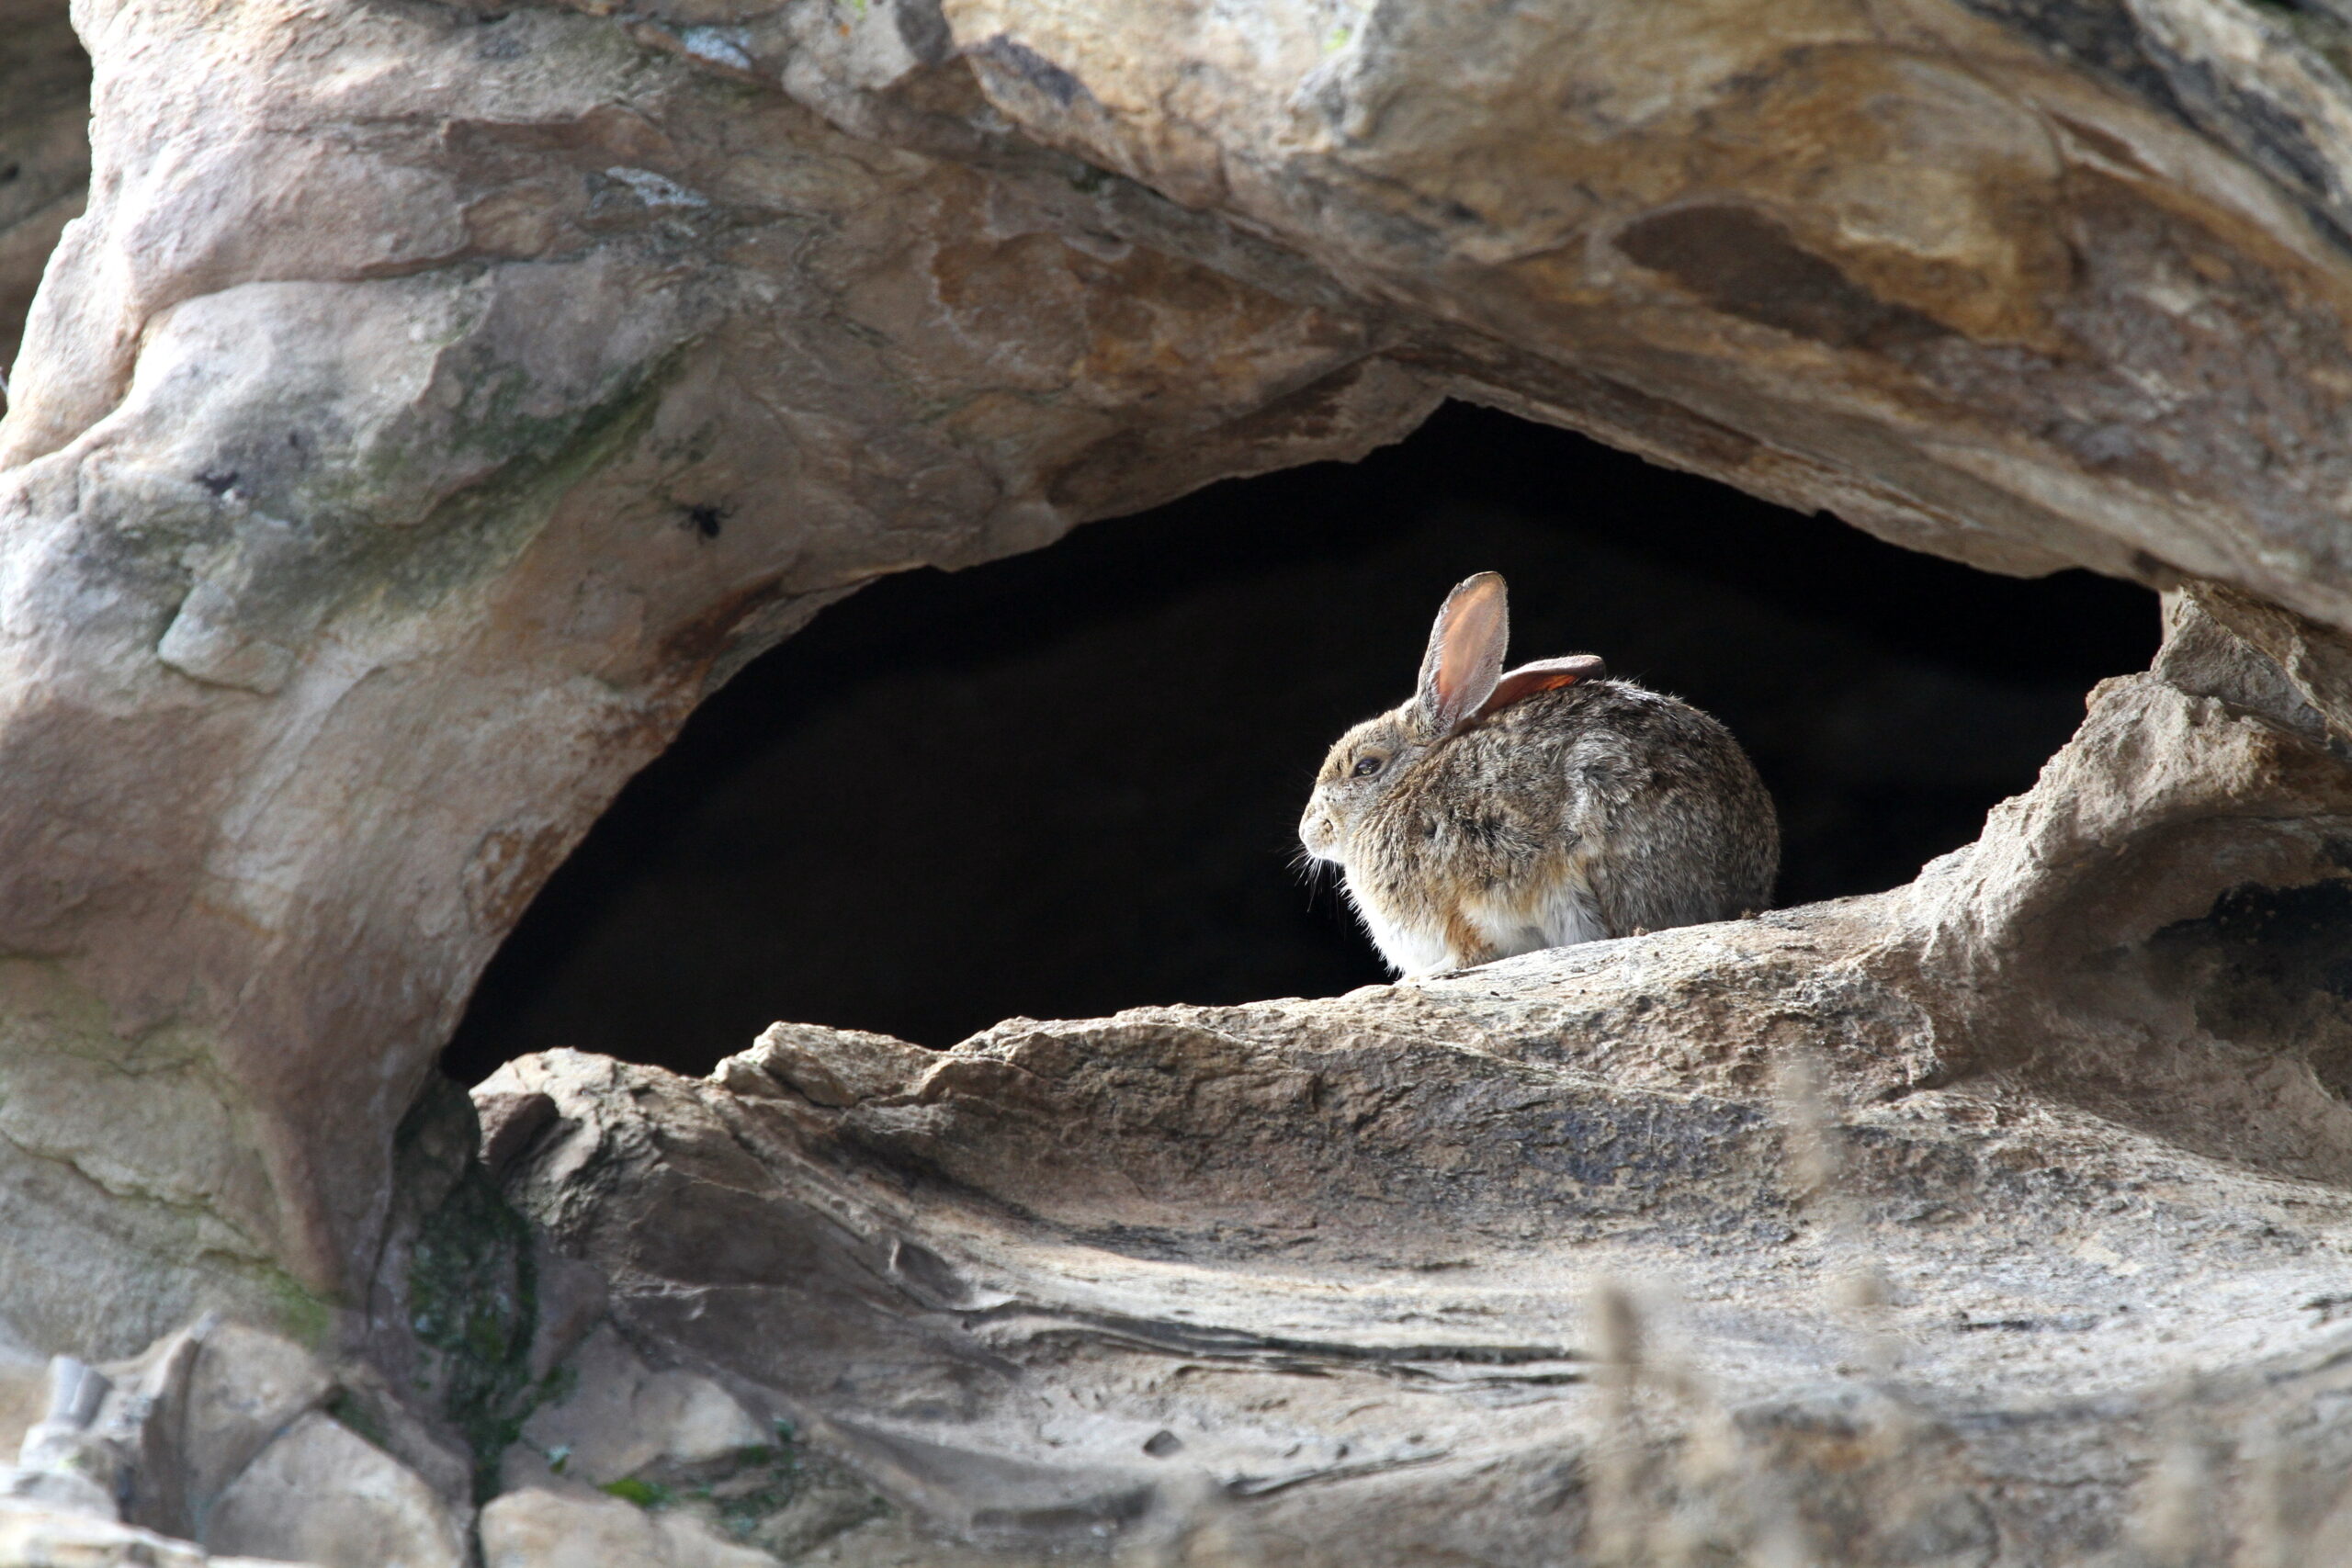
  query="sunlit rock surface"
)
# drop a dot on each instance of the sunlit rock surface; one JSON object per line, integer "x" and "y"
{"x": 436, "y": 401}
{"x": 430, "y": 409}
{"x": 1927, "y": 1226}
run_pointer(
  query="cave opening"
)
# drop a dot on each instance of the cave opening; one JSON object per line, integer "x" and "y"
{"x": 1067, "y": 783}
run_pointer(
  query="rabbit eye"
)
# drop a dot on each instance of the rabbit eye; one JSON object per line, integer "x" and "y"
{"x": 1368, "y": 766}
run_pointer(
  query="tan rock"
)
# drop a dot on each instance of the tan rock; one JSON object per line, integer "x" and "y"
{"x": 736, "y": 317}
{"x": 543, "y": 1529}
{"x": 321, "y": 1494}
{"x": 35, "y": 1537}
{"x": 44, "y": 150}
{"x": 1815, "y": 1228}
{"x": 621, "y": 1418}
{"x": 244, "y": 1390}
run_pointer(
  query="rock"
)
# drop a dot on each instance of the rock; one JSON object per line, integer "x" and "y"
{"x": 320, "y": 1492}
{"x": 1779, "y": 306}
{"x": 572, "y": 1302}
{"x": 24, "y": 1396}
{"x": 458, "y": 1312}
{"x": 831, "y": 1066}
{"x": 217, "y": 1434}
{"x": 246, "y": 1390}
{"x": 960, "y": 398}
{"x": 155, "y": 1439}
{"x": 366, "y": 1402}
{"x": 58, "y": 1490}
{"x": 436, "y": 401}
{"x": 1825, "y": 1229}
{"x": 509, "y": 1122}
{"x": 828, "y": 1502}
{"x": 542, "y": 1529}
{"x": 37, "y": 1538}
{"x": 680, "y": 1443}
{"x": 620, "y": 1418}
{"x": 69, "y": 1459}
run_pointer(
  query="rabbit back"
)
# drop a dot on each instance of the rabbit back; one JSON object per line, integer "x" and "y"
{"x": 1680, "y": 829}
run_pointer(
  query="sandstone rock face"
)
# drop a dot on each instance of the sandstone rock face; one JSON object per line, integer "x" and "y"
{"x": 622, "y": 1419}
{"x": 321, "y": 1493}
{"x": 541, "y": 1530}
{"x": 436, "y": 401}
{"x": 34, "y": 1538}
{"x": 717, "y": 1484}
{"x": 1964, "y": 273}
{"x": 370, "y": 472}
{"x": 219, "y": 1437}
{"x": 1883, "y": 1230}
{"x": 244, "y": 1390}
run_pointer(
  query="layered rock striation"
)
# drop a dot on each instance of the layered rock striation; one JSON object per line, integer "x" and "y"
{"x": 1980, "y": 1221}
{"x": 436, "y": 400}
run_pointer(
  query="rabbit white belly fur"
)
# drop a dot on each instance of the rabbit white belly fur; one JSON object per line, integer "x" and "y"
{"x": 1565, "y": 917}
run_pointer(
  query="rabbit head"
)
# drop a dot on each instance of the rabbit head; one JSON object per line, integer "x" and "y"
{"x": 1462, "y": 682}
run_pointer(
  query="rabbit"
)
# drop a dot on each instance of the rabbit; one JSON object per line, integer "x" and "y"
{"x": 1501, "y": 813}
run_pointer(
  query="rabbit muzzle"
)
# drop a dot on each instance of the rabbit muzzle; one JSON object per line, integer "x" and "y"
{"x": 1319, "y": 833}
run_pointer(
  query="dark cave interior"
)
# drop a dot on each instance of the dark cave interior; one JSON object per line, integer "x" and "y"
{"x": 1067, "y": 783}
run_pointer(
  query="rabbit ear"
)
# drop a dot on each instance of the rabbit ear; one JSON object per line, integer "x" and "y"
{"x": 1465, "y": 654}
{"x": 1543, "y": 675}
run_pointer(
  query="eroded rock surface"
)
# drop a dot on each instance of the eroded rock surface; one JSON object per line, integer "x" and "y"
{"x": 1790, "y": 1230}
{"x": 322, "y": 1493}
{"x": 423, "y": 377}
{"x": 436, "y": 400}
{"x": 534, "y": 1529}
{"x": 37, "y": 1537}
{"x": 218, "y": 1444}
{"x": 627, "y": 368}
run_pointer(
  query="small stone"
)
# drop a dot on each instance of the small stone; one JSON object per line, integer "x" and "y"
{"x": 830, "y": 1067}
{"x": 699, "y": 1421}
{"x": 367, "y": 1404}
{"x": 322, "y": 1494}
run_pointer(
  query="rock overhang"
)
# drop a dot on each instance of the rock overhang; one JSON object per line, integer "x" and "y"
{"x": 950, "y": 278}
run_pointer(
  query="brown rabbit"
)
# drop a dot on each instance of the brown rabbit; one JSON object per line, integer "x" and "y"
{"x": 1497, "y": 814}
